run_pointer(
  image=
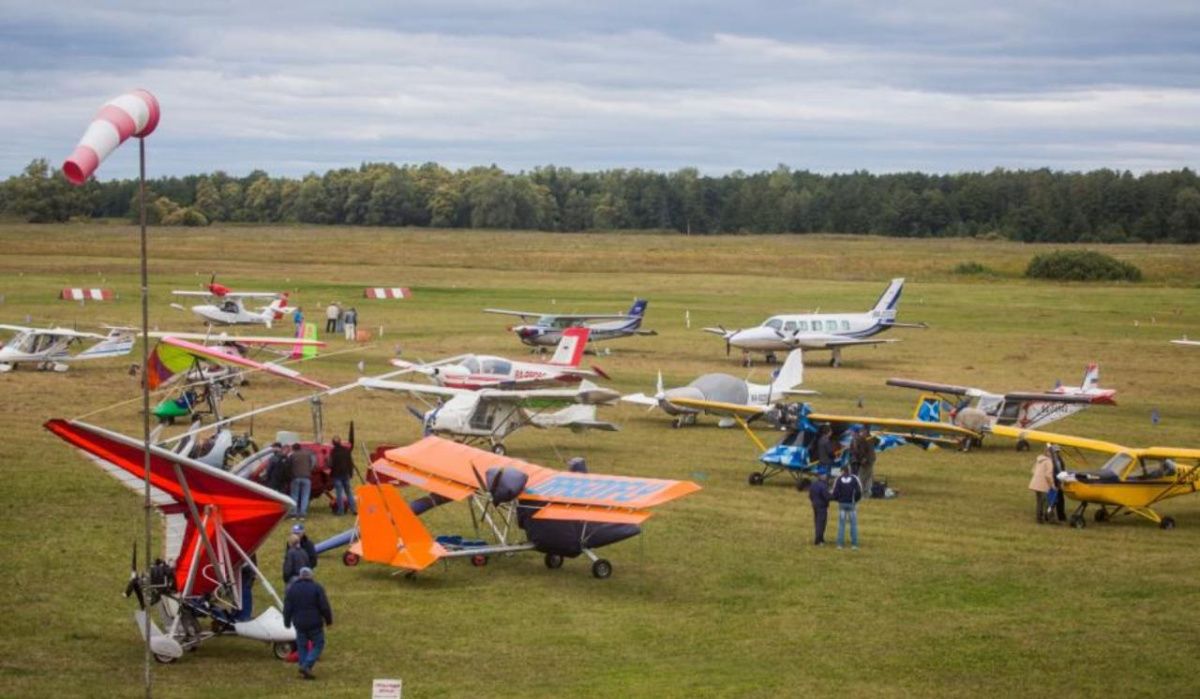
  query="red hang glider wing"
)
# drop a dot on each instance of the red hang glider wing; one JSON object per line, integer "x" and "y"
{"x": 247, "y": 511}
{"x": 217, "y": 354}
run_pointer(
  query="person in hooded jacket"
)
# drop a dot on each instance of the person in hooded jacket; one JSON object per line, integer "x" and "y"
{"x": 847, "y": 491}
{"x": 306, "y": 607}
{"x": 294, "y": 559}
{"x": 818, "y": 495}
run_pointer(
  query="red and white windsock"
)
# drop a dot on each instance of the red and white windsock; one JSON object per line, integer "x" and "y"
{"x": 132, "y": 114}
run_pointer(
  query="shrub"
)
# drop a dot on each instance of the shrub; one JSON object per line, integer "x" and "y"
{"x": 1081, "y": 266}
{"x": 972, "y": 267}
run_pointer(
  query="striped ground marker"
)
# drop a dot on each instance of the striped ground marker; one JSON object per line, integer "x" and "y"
{"x": 79, "y": 294}
{"x": 387, "y": 292}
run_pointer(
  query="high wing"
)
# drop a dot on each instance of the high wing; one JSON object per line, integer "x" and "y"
{"x": 1020, "y": 397}
{"x": 244, "y": 511}
{"x": 230, "y": 294}
{"x": 565, "y": 316}
{"x": 456, "y": 471}
{"x": 1059, "y": 439}
{"x": 717, "y": 407}
{"x": 846, "y": 342}
{"x": 587, "y": 393}
{"x": 216, "y": 354}
{"x": 57, "y": 332}
{"x": 947, "y": 388}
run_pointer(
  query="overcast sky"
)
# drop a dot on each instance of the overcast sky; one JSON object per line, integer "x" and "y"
{"x": 292, "y": 87}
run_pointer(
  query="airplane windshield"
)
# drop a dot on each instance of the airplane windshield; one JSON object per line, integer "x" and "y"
{"x": 774, "y": 323}
{"x": 1153, "y": 469}
{"x": 497, "y": 366}
{"x": 1116, "y": 465}
{"x": 471, "y": 364}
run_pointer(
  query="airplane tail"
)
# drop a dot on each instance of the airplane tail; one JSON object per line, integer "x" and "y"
{"x": 791, "y": 374}
{"x": 118, "y": 343}
{"x": 885, "y": 307}
{"x": 1091, "y": 377}
{"x": 276, "y": 309}
{"x": 638, "y": 310}
{"x": 570, "y": 347}
{"x": 389, "y": 531}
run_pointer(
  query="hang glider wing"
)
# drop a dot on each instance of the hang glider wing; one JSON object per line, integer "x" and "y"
{"x": 173, "y": 355}
{"x": 1059, "y": 439}
{"x": 455, "y": 471}
{"x": 226, "y": 339}
{"x": 246, "y": 512}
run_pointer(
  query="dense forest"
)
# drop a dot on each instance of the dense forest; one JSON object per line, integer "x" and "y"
{"x": 1028, "y": 205}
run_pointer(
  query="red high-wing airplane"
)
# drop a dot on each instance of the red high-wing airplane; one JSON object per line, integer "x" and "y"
{"x": 562, "y": 513}
{"x": 214, "y": 522}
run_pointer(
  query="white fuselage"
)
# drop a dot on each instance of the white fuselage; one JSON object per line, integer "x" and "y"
{"x": 232, "y": 312}
{"x": 811, "y": 331}
{"x": 475, "y": 372}
{"x": 33, "y": 346}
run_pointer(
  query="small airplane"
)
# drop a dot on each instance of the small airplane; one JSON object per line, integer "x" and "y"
{"x": 227, "y": 307}
{"x": 1131, "y": 481}
{"x": 549, "y": 328}
{"x": 970, "y": 407}
{"x": 50, "y": 348}
{"x": 473, "y": 372}
{"x": 489, "y": 415}
{"x": 1186, "y": 342}
{"x": 794, "y": 455}
{"x": 563, "y": 514}
{"x": 818, "y": 331}
{"x": 214, "y": 522}
{"x": 723, "y": 388}
{"x": 210, "y": 372}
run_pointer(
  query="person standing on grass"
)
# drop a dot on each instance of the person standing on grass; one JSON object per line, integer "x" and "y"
{"x": 306, "y": 607}
{"x": 341, "y": 468}
{"x": 303, "y": 462}
{"x": 862, "y": 458}
{"x": 294, "y": 559}
{"x": 279, "y": 471}
{"x": 306, "y": 545}
{"x": 298, "y": 320}
{"x": 847, "y": 491}
{"x": 818, "y": 495}
{"x": 826, "y": 452}
{"x": 332, "y": 313}
{"x": 350, "y": 323}
{"x": 1042, "y": 482}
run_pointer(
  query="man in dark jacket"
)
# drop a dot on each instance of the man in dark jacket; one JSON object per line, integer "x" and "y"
{"x": 279, "y": 471}
{"x": 294, "y": 559}
{"x": 862, "y": 458}
{"x": 306, "y": 607}
{"x": 341, "y": 468}
{"x": 818, "y": 495}
{"x": 826, "y": 452}
{"x": 847, "y": 491}
{"x": 302, "y": 462}
{"x": 306, "y": 545}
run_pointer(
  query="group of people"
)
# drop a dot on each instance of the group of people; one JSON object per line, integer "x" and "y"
{"x": 1047, "y": 490}
{"x": 851, "y": 486}
{"x": 341, "y": 320}
{"x": 290, "y": 471}
{"x": 305, "y": 606}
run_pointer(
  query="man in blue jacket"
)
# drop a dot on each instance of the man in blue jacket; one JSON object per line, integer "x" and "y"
{"x": 818, "y": 495}
{"x": 847, "y": 491}
{"x": 306, "y": 607}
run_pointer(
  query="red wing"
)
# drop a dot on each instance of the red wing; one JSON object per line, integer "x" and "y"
{"x": 219, "y": 355}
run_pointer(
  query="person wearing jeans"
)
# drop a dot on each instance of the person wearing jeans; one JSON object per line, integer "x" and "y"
{"x": 303, "y": 462}
{"x": 306, "y": 607}
{"x": 847, "y": 491}
{"x": 341, "y": 468}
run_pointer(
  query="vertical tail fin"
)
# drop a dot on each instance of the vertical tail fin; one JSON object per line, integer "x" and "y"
{"x": 791, "y": 374}
{"x": 1091, "y": 377}
{"x": 389, "y": 531}
{"x": 638, "y": 309}
{"x": 885, "y": 307}
{"x": 570, "y": 347}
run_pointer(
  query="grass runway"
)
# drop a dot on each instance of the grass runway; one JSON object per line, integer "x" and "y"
{"x": 956, "y": 591}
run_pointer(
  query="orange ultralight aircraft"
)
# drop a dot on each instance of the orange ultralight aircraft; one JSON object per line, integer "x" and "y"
{"x": 562, "y": 513}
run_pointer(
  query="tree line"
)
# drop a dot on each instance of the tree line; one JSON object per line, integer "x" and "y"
{"x": 1028, "y": 205}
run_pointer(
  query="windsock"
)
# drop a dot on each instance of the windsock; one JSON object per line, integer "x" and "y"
{"x": 132, "y": 114}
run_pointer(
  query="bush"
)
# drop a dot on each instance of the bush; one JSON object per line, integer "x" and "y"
{"x": 1081, "y": 266}
{"x": 972, "y": 267}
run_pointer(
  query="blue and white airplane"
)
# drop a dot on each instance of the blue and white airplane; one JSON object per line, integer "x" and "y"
{"x": 819, "y": 331}
{"x": 548, "y": 329}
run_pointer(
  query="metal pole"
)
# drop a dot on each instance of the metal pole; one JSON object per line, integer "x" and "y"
{"x": 148, "y": 505}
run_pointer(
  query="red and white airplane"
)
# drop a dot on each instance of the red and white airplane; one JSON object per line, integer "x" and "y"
{"x": 473, "y": 372}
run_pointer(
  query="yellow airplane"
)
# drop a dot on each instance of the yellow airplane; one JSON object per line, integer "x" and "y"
{"x": 1132, "y": 481}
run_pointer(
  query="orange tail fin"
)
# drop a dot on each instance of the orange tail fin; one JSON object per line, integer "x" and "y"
{"x": 390, "y": 533}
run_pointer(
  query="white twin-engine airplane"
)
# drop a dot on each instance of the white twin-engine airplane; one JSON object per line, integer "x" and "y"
{"x": 229, "y": 308}
{"x": 473, "y": 372}
{"x": 50, "y": 348}
{"x": 723, "y": 388}
{"x": 819, "y": 331}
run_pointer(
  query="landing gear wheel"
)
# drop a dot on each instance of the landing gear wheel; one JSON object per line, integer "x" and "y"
{"x": 479, "y": 560}
{"x": 1022, "y": 445}
{"x": 164, "y": 659}
{"x": 1167, "y": 523}
{"x": 1101, "y": 515}
{"x": 1078, "y": 521}
{"x": 601, "y": 569}
{"x": 350, "y": 558}
{"x": 802, "y": 484}
{"x": 283, "y": 649}
{"x": 553, "y": 561}
{"x": 756, "y": 478}
{"x": 499, "y": 450}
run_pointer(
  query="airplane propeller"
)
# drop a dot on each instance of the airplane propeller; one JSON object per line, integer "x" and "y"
{"x": 660, "y": 392}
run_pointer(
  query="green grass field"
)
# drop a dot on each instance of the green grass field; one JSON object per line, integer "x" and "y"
{"x": 956, "y": 591}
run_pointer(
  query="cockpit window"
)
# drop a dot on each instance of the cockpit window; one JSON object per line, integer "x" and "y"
{"x": 496, "y": 366}
{"x": 774, "y": 323}
{"x": 789, "y": 326}
{"x": 471, "y": 364}
{"x": 1152, "y": 469}
{"x": 1117, "y": 464}
{"x": 802, "y": 326}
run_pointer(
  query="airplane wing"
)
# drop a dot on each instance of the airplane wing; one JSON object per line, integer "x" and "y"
{"x": 1057, "y": 398}
{"x": 1186, "y": 342}
{"x": 640, "y": 399}
{"x": 206, "y": 294}
{"x": 409, "y": 387}
{"x": 224, "y": 338}
{"x": 169, "y": 362}
{"x": 519, "y": 314}
{"x": 848, "y": 342}
{"x": 248, "y": 512}
{"x": 717, "y": 407}
{"x": 1064, "y": 440}
{"x": 587, "y": 393}
{"x": 455, "y": 471}
{"x": 1170, "y": 453}
{"x": 565, "y": 316}
{"x": 903, "y": 426}
{"x": 57, "y": 332}
{"x": 15, "y": 328}
{"x": 253, "y": 294}
{"x": 947, "y": 388}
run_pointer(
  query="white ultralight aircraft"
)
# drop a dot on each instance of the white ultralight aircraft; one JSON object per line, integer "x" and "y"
{"x": 230, "y": 308}
{"x": 819, "y": 331}
{"x": 50, "y": 348}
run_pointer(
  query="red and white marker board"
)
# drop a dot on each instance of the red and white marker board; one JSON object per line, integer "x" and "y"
{"x": 79, "y": 294}
{"x": 387, "y": 292}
